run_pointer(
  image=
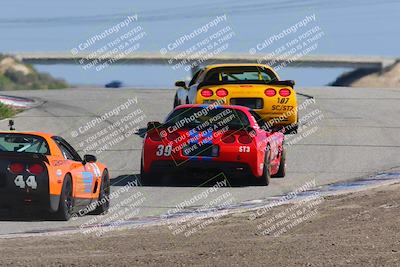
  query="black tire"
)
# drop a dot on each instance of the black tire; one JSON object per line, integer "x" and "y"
{"x": 282, "y": 164}
{"x": 176, "y": 101}
{"x": 66, "y": 204}
{"x": 294, "y": 129}
{"x": 265, "y": 178}
{"x": 146, "y": 179}
{"x": 103, "y": 202}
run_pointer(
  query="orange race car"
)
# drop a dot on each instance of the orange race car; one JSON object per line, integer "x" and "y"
{"x": 43, "y": 172}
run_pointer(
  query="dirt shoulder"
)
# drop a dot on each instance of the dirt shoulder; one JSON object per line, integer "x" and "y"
{"x": 358, "y": 229}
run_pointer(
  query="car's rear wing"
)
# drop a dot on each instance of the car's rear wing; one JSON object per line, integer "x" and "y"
{"x": 290, "y": 83}
{"x": 23, "y": 156}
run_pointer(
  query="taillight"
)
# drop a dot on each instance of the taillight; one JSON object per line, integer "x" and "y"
{"x": 206, "y": 93}
{"x": 245, "y": 139}
{"x": 228, "y": 138}
{"x": 16, "y": 168}
{"x": 284, "y": 92}
{"x": 173, "y": 136}
{"x": 270, "y": 92}
{"x": 154, "y": 136}
{"x": 221, "y": 92}
{"x": 36, "y": 168}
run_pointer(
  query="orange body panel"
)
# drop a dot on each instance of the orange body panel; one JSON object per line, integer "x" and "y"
{"x": 58, "y": 167}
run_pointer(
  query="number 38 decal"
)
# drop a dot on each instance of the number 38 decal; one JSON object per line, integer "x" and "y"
{"x": 30, "y": 182}
{"x": 164, "y": 150}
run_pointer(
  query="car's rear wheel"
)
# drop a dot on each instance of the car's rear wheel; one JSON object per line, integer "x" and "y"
{"x": 282, "y": 164}
{"x": 293, "y": 128}
{"x": 146, "y": 179}
{"x": 66, "y": 204}
{"x": 265, "y": 178}
{"x": 103, "y": 202}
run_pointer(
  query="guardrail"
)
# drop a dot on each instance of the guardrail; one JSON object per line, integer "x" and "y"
{"x": 327, "y": 61}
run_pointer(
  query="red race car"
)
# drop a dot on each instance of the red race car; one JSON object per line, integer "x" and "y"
{"x": 230, "y": 139}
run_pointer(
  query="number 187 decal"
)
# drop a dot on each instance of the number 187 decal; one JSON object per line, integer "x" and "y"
{"x": 30, "y": 182}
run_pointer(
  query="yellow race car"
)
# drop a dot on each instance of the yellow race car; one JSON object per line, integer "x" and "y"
{"x": 255, "y": 86}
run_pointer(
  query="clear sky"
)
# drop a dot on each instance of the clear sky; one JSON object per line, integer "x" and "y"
{"x": 357, "y": 27}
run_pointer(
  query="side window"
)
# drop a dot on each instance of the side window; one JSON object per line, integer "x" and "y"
{"x": 67, "y": 150}
{"x": 259, "y": 120}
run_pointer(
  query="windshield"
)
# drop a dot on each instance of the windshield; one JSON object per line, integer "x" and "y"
{"x": 206, "y": 116}
{"x": 23, "y": 143}
{"x": 240, "y": 75}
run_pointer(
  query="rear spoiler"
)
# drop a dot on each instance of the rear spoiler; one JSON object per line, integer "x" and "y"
{"x": 155, "y": 125}
{"x": 290, "y": 83}
{"x": 22, "y": 156}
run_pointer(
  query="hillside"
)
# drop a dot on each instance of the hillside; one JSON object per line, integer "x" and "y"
{"x": 14, "y": 75}
{"x": 387, "y": 78}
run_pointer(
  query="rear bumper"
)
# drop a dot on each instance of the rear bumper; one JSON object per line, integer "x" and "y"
{"x": 19, "y": 200}
{"x": 229, "y": 168}
{"x": 279, "y": 118}
{"x": 12, "y": 196}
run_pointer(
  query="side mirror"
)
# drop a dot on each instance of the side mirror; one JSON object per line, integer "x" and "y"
{"x": 153, "y": 125}
{"x": 181, "y": 84}
{"x": 89, "y": 159}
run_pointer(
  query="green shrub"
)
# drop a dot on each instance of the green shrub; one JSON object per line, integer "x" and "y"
{"x": 6, "y": 112}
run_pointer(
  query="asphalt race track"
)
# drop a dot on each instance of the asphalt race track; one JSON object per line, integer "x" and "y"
{"x": 358, "y": 134}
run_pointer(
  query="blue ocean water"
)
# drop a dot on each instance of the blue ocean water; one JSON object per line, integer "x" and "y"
{"x": 350, "y": 27}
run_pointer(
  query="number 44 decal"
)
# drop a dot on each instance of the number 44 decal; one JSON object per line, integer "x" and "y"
{"x": 30, "y": 182}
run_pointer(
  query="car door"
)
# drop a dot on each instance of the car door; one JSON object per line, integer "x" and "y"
{"x": 83, "y": 177}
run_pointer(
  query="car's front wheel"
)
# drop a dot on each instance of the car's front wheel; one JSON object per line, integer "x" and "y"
{"x": 146, "y": 179}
